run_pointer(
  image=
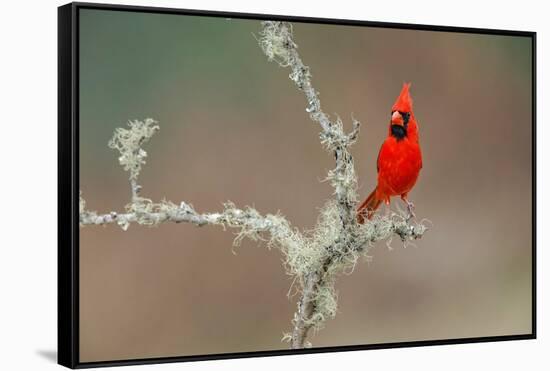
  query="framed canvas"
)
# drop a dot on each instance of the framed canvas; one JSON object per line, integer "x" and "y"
{"x": 240, "y": 185}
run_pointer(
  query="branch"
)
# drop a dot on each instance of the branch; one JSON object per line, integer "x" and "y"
{"x": 248, "y": 220}
{"x": 278, "y": 45}
{"x": 349, "y": 238}
{"x": 146, "y": 212}
{"x": 128, "y": 142}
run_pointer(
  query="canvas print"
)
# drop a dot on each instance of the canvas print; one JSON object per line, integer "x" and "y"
{"x": 258, "y": 185}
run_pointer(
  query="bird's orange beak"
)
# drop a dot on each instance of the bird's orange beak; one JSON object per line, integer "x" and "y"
{"x": 397, "y": 119}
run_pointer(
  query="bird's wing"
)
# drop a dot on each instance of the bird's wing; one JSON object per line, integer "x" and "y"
{"x": 378, "y": 159}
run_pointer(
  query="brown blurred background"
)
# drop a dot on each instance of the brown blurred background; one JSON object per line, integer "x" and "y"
{"x": 233, "y": 127}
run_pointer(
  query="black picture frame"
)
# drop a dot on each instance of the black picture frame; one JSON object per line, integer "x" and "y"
{"x": 68, "y": 184}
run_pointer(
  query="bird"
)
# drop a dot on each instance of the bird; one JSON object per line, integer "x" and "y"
{"x": 399, "y": 159}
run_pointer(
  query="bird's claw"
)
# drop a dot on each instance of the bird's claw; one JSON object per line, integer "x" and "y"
{"x": 410, "y": 209}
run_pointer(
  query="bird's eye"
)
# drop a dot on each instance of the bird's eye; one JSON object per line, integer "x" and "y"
{"x": 406, "y": 116}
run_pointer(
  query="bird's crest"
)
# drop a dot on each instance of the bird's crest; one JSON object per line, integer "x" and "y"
{"x": 404, "y": 101}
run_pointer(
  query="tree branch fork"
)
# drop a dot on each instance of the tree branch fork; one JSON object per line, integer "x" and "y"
{"x": 314, "y": 258}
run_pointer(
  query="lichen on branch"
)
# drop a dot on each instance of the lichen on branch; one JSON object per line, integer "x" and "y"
{"x": 129, "y": 143}
{"x": 276, "y": 41}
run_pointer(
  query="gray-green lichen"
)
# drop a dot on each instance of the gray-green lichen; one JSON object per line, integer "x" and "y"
{"x": 129, "y": 141}
{"x": 276, "y": 42}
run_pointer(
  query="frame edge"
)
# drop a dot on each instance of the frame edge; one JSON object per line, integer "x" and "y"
{"x": 67, "y": 298}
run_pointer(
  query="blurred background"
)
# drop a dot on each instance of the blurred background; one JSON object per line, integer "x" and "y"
{"x": 234, "y": 127}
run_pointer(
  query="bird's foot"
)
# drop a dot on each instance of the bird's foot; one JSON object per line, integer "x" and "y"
{"x": 410, "y": 210}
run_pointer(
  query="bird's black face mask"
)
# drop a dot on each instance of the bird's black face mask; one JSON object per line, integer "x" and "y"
{"x": 400, "y": 131}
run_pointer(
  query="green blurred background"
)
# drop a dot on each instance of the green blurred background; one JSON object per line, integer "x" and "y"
{"x": 234, "y": 127}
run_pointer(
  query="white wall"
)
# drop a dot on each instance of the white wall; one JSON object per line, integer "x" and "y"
{"x": 28, "y": 60}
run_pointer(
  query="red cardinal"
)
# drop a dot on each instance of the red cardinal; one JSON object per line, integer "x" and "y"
{"x": 399, "y": 160}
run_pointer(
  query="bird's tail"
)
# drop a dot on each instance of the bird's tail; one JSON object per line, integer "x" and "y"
{"x": 368, "y": 207}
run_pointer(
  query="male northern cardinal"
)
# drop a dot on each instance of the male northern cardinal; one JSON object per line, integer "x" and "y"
{"x": 399, "y": 160}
